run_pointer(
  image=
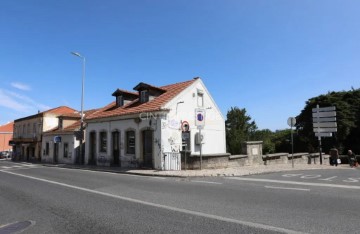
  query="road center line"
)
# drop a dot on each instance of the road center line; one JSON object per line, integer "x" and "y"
{"x": 285, "y": 188}
{"x": 206, "y": 182}
{"x": 185, "y": 211}
{"x": 295, "y": 182}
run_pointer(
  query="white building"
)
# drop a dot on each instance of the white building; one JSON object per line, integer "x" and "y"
{"x": 143, "y": 128}
{"x": 60, "y": 144}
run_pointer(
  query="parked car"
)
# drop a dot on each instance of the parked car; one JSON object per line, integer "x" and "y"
{"x": 5, "y": 155}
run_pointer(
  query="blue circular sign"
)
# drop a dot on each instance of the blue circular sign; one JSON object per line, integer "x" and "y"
{"x": 200, "y": 117}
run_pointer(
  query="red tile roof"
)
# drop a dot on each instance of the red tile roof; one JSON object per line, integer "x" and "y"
{"x": 60, "y": 110}
{"x": 135, "y": 106}
{"x": 9, "y": 127}
{"x": 57, "y": 111}
{"x": 72, "y": 127}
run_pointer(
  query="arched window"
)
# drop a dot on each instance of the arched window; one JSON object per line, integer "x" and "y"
{"x": 103, "y": 141}
{"x": 130, "y": 142}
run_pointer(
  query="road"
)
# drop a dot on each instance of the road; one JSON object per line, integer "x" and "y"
{"x": 59, "y": 200}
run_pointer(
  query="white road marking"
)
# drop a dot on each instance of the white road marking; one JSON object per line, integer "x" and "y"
{"x": 295, "y": 182}
{"x": 286, "y": 188}
{"x": 329, "y": 179}
{"x": 171, "y": 208}
{"x": 158, "y": 178}
{"x": 206, "y": 182}
{"x": 5, "y": 167}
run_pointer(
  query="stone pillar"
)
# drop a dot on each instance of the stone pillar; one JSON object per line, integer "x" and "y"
{"x": 253, "y": 149}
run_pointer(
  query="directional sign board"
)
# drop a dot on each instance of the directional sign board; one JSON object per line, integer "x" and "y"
{"x": 323, "y": 134}
{"x": 324, "y": 125}
{"x": 320, "y": 120}
{"x": 324, "y": 109}
{"x": 324, "y": 114}
{"x": 324, "y": 121}
{"x": 325, "y": 129}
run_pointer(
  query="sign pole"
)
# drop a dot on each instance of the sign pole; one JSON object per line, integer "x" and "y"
{"x": 200, "y": 149}
{"x": 291, "y": 122}
{"x": 319, "y": 138}
{"x": 320, "y": 150}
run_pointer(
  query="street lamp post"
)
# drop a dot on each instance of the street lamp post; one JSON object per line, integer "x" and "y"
{"x": 80, "y": 158}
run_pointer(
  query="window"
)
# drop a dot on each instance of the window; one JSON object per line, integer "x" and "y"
{"x": 60, "y": 124}
{"x": 144, "y": 96}
{"x": 47, "y": 148}
{"x": 28, "y": 129}
{"x": 200, "y": 99}
{"x": 103, "y": 142}
{"x": 66, "y": 150}
{"x": 130, "y": 142}
{"x": 24, "y": 129}
{"x": 119, "y": 101}
{"x": 34, "y": 129}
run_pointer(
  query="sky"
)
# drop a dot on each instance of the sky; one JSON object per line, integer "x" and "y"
{"x": 267, "y": 56}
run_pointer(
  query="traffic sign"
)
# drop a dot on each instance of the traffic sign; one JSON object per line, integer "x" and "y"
{"x": 323, "y": 134}
{"x": 325, "y": 125}
{"x": 324, "y": 114}
{"x": 200, "y": 118}
{"x": 291, "y": 121}
{"x": 325, "y": 129}
{"x": 324, "y": 109}
{"x": 320, "y": 120}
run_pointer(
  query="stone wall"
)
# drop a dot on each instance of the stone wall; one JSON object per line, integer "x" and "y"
{"x": 252, "y": 155}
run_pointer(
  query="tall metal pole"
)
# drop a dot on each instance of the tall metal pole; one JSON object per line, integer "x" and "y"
{"x": 292, "y": 147}
{"x": 80, "y": 156}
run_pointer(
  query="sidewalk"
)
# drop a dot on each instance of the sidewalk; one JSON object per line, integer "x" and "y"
{"x": 239, "y": 171}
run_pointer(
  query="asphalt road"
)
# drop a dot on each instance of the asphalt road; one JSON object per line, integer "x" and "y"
{"x": 58, "y": 200}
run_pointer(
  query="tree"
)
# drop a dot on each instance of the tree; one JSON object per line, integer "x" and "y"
{"x": 239, "y": 128}
{"x": 347, "y": 105}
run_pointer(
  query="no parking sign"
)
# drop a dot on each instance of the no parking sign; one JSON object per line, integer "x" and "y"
{"x": 200, "y": 118}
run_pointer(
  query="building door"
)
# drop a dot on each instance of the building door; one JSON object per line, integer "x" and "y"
{"x": 148, "y": 148}
{"x": 27, "y": 154}
{"x": 116, "y": 148}
{"x": 56, "y": 152}
{"x": 92, "y": 148}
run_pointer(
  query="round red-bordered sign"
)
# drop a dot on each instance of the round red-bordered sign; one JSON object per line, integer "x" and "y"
{"x": 185, "y": 126}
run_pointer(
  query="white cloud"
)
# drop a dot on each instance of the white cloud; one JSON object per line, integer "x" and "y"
{"x": 9, "y": 102}
{"x": 20, "y": 86}
{"x": 20, "y": 102}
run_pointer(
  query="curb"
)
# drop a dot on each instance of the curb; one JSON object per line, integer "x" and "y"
{"x": 112, "y": 171}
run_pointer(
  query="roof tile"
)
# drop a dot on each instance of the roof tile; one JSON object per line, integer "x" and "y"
{"x": 135, "y": 106}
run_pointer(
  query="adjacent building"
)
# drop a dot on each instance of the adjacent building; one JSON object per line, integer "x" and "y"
{"x": 28, "y": 132}
{"x": 150, "y": 125}
{"x": 6, "y": 135}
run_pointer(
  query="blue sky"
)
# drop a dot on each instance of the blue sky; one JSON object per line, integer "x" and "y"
{"x": 267, "y": 56}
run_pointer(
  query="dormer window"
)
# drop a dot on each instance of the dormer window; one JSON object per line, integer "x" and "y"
{"x": 119, "y": 101}
{"x": 144, "y": 96}
{"x": 60, "y": 123}
{"x": 123, "y": 97}
{"x": 148, "y": 92}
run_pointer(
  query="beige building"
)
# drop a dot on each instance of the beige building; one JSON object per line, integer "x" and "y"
{"x": 28, "y": 132}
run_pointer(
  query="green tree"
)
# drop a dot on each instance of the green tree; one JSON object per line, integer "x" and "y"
{"x": 266, "y": 136}
{"x": 347, "y": 105}
{"x": 239, "y": 128}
